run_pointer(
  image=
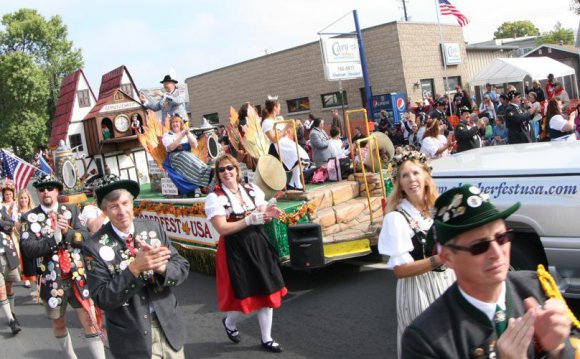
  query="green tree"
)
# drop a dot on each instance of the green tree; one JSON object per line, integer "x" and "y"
{"x": 575, "y": 6}
{"x": 23, "y": 94}
{"x": 520, "y": 28}
{"x": 566, "y": 36}
{"x": 28, "y": 32}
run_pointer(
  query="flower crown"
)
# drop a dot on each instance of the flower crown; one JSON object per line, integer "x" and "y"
{"x": 397, "y": 161}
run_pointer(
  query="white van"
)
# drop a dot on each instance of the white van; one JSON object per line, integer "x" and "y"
{"x": 545, "y": 178}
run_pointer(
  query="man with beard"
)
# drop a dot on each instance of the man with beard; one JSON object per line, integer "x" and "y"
{"x": 53, "y": 234}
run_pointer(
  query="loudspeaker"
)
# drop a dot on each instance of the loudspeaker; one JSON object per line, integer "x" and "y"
{"x": 306, "y": 250}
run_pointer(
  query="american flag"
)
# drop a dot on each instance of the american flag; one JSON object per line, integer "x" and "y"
{"x": 17, "y": 170}
{"x": 448, "y": 9}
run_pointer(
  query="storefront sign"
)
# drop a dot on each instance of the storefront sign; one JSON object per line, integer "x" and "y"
{"x": 452, "y": 53}
{"x": 341, "y": 58}
{"x": 193, "y": 230}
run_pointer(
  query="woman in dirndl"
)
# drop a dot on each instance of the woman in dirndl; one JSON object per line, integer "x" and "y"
{"x": 421, "y": 277}
{"x": 248, "y": 277}
{"x": 184, "y": 168}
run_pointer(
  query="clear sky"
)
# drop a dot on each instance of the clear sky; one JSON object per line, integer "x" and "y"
{"x": 196, "y": 36}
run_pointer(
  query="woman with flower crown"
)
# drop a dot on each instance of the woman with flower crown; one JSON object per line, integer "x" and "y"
{"x": 413, "y": 257}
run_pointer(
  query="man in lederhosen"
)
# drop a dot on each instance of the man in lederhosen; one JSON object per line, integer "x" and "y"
{"x": 53, "y": 234}
{"x": 132, "y": 268}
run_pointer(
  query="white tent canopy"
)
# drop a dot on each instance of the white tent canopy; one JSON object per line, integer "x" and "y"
{"x": 504, "y": 70}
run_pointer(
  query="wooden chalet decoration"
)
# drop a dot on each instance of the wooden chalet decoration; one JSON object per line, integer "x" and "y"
{"x": 109, "y": 124}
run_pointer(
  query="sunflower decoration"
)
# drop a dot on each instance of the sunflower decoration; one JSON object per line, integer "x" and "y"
{"x": 295, "y": 216}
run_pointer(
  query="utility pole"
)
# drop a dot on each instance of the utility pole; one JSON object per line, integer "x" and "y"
{"x": 404, "y": 4}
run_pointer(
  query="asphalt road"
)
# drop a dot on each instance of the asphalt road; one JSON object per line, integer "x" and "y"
{"x": 346, "y": 310}
{"x": 342, "y": 311}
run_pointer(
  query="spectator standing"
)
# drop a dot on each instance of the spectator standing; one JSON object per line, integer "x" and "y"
{"x": 537, "y": 88}
{"x": 385, "y": 123}
{"x": 560, "y": 128}
{"x": 576, "y": 116}
{"x": 357, "y": 134}
{"x": 500, "y": 132}
{"x": 487, "y": 109}
{"x": 550, "y": 87}
{"x": 336, "y": 121}
{"x": 440, "y": 113}
{"x": 492, "y": 94}
{"x": 434, "y": 145}
{"x": 536, "y": 112}
{"x": 561, "y": 93}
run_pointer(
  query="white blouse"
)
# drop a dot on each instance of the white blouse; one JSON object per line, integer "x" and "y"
{"x": 169, "y": 138}
{"x": 395, "y": 237}
{"x": 430, "y": 146}
{"x": 215, "y": 205}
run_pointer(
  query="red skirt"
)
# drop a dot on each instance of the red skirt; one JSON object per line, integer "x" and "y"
{"x": 226, "y": 298}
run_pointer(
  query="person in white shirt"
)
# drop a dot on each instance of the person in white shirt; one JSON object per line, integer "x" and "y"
{"x": 434, "y": 145}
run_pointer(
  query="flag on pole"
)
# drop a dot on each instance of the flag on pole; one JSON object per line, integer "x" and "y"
{"x": 17, "y": 170}
{"x": 448, "y": 9}
{"x": 44, "y": 166}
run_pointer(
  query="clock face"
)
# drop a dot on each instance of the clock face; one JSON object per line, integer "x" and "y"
{"x": 122, "y": 123}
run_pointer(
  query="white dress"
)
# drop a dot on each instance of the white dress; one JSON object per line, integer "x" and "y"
{"x": 414, "y": 294}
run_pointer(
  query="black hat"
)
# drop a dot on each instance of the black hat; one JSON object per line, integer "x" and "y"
{"x": 168, "y": 78}
{"x": 462, "y": 209}
{"x": 47, "y": 181}
{"x": 487, "y": 84}
{"x": 441, "y": 102}
{"x": 464, "y": 109}
{"x": 512, "y": 94}
{"x": 112, "y": 182}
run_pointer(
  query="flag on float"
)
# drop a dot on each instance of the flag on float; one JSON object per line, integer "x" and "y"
{"x": 448, "y": 9}
{"x": 17, "y": 170}
{"x": 44, "y": 166}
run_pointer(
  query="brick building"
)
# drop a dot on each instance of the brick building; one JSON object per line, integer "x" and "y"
{"x": 401, "y": 56}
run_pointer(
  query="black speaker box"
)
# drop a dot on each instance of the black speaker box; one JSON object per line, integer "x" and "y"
{"x": 306, "y": 250}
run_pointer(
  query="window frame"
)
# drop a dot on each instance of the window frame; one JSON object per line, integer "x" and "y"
{"x": 296, "y": 107}
{"x": 337, "y": 103}
{"x": 83, "y": 98}
{"x": 80, "y": 141}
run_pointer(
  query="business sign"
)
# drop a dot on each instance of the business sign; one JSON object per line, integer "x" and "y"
{"x": 185, "y": 229}
{"x": 451, "y": 53}
{"x": 341, "y": 58}
{"x": 120, "y": 106}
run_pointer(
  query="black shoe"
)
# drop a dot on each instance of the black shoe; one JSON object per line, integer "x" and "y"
{"x": 272, "y": 346}
{"x": 15, "y": 319}
{"x": 14, "y": 327}
{"x": 234, "y": 335}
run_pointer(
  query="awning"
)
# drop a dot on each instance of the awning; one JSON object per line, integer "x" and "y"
{"x": 504, "y": 70}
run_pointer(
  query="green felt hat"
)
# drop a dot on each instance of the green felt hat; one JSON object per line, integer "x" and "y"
{"x": 462, "y": 209}
{"x": 112, "y": 182}
{"x": 45, "y": 180}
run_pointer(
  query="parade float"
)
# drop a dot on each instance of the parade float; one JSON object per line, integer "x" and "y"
{"x": 322, "y": 223}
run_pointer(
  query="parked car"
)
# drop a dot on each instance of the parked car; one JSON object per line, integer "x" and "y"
{"x": 545, "y": 178}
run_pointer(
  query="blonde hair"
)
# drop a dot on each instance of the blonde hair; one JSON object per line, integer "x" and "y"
{"x": 398, "y": 194}
{"x": 31, "y": 203}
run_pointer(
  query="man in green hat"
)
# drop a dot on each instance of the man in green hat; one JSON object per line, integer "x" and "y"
{"x": 132, "y": 268}
{"x": 53, "y": 234}
{"x": 488, "y": 312}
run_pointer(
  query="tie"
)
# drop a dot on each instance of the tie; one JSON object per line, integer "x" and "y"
{"x": 500, "y": 320}
{"x": 130, "y": 243}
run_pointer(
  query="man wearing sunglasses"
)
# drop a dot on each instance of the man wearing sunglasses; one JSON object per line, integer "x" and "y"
{"x": 52, "y": 233}
{"x": 488, "y": 312}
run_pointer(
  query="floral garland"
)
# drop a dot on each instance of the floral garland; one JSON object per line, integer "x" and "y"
{"x": 195, "y": 210}
{"x": 397, "y": 161}
{"x": 294, "y": 217}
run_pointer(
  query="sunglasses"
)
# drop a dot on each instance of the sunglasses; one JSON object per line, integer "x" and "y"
{"x": 43, "y": 189}
{"x": 483, "y": 245}
{"x": 224, "y": 168}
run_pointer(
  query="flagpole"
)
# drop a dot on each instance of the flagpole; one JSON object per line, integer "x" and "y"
{"x": 446, "y": 82}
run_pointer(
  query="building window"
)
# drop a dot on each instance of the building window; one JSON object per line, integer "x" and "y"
{"x": 76, "y": 141}
{"x": 128, "y": 89}
{"x": 213, "y": 118}
{"x": 118, "y": 96}
{"x": 427, "y": 88}
{"x": 298, "y": 104}
{"x": 84, "y": 98}
{"x": 452, "y": 81}
{"x": 333, "y": 99}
